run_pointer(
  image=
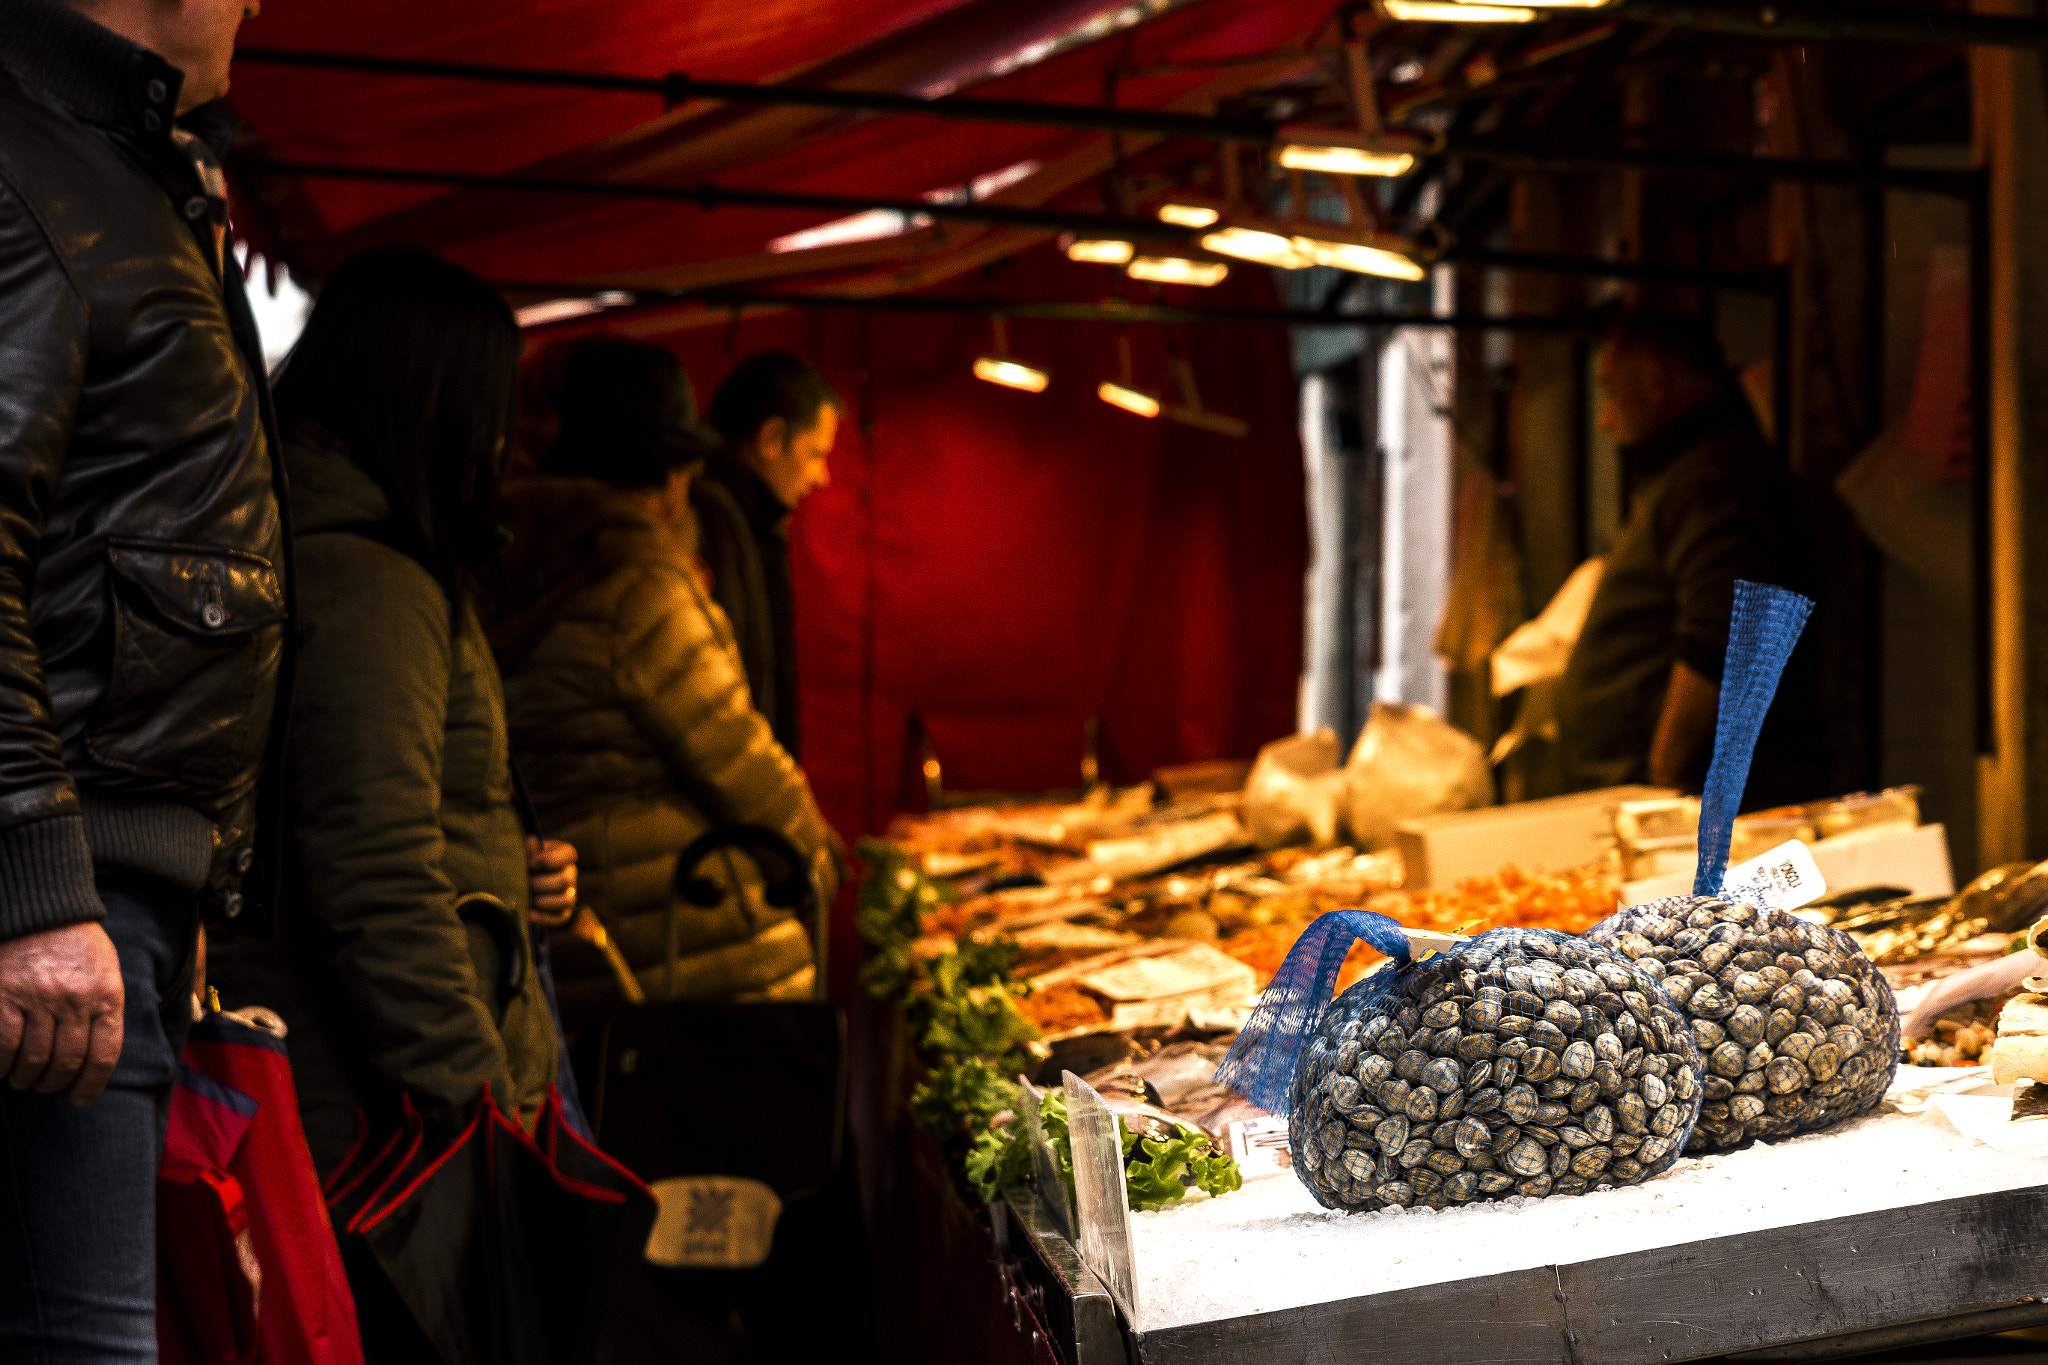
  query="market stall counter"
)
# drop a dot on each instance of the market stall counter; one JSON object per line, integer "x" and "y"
{"x": 1887, "y": 1230}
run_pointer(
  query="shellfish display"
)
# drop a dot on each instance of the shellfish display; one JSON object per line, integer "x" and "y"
{"x": 1522, "y": 1061}
{"x": 1797, "y": 1026}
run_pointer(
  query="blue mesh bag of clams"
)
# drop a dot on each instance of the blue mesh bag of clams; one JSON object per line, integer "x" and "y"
{"x": 1528, "y": 1062}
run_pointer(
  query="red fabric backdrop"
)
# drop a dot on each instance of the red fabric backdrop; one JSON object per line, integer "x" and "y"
{"x": 1007, "y": 564}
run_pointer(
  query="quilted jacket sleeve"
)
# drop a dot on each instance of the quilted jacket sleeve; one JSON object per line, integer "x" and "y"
{"x": 679, "y": 678}
{"x": 45, "y": 865}
{"x": 368, "y": 737}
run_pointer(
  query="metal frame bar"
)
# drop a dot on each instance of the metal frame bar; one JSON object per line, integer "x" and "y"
{"x": 677, "y": 87}
{"x": 715, "y": 196}
{"x": 710, "y": 197}
{"x": 1111, "y": 311}
{"x": 1840, "y": 23}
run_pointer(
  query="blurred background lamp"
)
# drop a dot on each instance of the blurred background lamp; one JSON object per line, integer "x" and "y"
{"x": 1361, "y": 259}
{"x": 1011, "y": 374}
{"x": 998, "y": 368}
{"x": 1345, "y": 151}
{"x": 1098, "y": 250}
{"x": 1177, "y": 270}
{"x": 1187, "y": 215}
{"x": 1438, "y": 12}
{"x": 1129, "y": 399}
{"x": 1254, "y": 244}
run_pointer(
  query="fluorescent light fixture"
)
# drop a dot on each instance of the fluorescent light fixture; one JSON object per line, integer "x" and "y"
{"x": 1361, "y": 259}
{"x": 561, "y": 310}
{"x": 1177, "y": 270}
{"x": 1011, "y": 374}
{"x": 1129, "y": 399}
{"x": 1099, "y": 250}
{"x": 875, "y": 224}
{"x": 1347, "y": 151}
{"x": 1437, "y": 12}
{"x": 1345, "y": 160}
{"x": 1188, "y": 215}
{"x": 1257, "y": 245}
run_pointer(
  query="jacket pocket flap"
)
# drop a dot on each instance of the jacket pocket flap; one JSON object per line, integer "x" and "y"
{"x": 204, "y": 589}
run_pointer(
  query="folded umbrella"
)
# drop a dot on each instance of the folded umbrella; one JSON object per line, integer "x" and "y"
{"x": 499, "y": 1254}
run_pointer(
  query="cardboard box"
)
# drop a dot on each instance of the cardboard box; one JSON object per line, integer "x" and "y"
{"x": 1555, "y": 834}
{"x": 1891, "y": 855}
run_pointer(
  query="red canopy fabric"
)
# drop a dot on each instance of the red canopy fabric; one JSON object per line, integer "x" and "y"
{"x": 377, "y": 120}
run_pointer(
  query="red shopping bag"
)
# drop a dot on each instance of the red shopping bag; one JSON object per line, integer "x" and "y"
{"x": 251, "y": 1272}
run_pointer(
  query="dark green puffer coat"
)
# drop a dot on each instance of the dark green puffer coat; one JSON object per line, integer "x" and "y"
{"x": 630, "y": 710}
{"x": 404, "y": 968}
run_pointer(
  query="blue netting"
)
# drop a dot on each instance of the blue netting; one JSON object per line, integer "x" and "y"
{"x": 1765, "y": 627}
{"x": 1261, "y": 1062}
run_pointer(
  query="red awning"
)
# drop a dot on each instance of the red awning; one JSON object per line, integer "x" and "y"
{"x": 1190, "y": 56}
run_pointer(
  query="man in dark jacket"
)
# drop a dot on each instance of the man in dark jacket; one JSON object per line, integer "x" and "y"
{"x": 779, "y": 418}
{"x": 1708, "y": 503}
{"x": 142, "y": 610}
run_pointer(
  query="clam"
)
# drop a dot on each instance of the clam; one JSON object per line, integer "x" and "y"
{"x": 1591, "y": 1161}
{"x": 1747, "y": 1024}
{"x": 1443, "y": 1075}
{"x": 1525, "y": 1158}
{"x": 1471, "y": 1137}
{"x": 1443, "y": 1014}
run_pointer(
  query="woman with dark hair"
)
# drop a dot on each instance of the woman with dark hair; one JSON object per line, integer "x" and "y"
{"x": 403, "y": 969}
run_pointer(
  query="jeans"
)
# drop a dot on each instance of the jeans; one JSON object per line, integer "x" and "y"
{"x": 78, "y": 1186}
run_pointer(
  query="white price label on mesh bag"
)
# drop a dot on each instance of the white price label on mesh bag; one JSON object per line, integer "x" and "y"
{"x": 1786, "y": 877}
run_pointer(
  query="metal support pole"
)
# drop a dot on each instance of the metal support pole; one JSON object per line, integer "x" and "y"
{"x": 1980, "y": 464}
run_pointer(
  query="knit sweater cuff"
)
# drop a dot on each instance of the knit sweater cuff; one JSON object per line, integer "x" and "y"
{"x": 46, "y": 879}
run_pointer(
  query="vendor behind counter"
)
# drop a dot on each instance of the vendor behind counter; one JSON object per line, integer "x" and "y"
{"x": 1709, "y": 502}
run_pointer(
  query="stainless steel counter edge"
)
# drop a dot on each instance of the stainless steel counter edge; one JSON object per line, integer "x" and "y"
{"x": 1075, "y": 1304}
{"x": 1937, "y": 1264}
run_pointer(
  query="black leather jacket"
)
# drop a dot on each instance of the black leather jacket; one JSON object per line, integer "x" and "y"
{"x": 143, "y": 574}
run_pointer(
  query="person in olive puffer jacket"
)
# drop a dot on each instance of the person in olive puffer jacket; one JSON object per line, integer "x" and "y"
{"x": 628, "y": 701}
{"x": 405, "y": 969}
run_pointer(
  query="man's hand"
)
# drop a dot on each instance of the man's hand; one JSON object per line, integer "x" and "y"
{"x": 60, "y": 1011}
{"x": 551, "y": 867}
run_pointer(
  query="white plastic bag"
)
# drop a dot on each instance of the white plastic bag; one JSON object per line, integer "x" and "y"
{"x": 1410, "y": 762}
{"x": 1538, "y": 650}
{"x": 1295, "y": 787}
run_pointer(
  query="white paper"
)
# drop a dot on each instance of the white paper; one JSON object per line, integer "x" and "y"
{"x": 1260, "y": 1146}
{"x": 1786, "y": 877}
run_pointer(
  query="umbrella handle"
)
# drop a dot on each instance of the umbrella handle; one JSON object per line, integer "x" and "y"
{"x": 788, "y": 892}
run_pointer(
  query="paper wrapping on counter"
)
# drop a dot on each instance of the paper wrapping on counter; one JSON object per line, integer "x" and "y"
{"x": 1122, "y": 859}
{"x": 1162, "y": 991}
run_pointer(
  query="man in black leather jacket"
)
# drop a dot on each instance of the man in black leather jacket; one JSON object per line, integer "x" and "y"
{"x": 143, "y": 601}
